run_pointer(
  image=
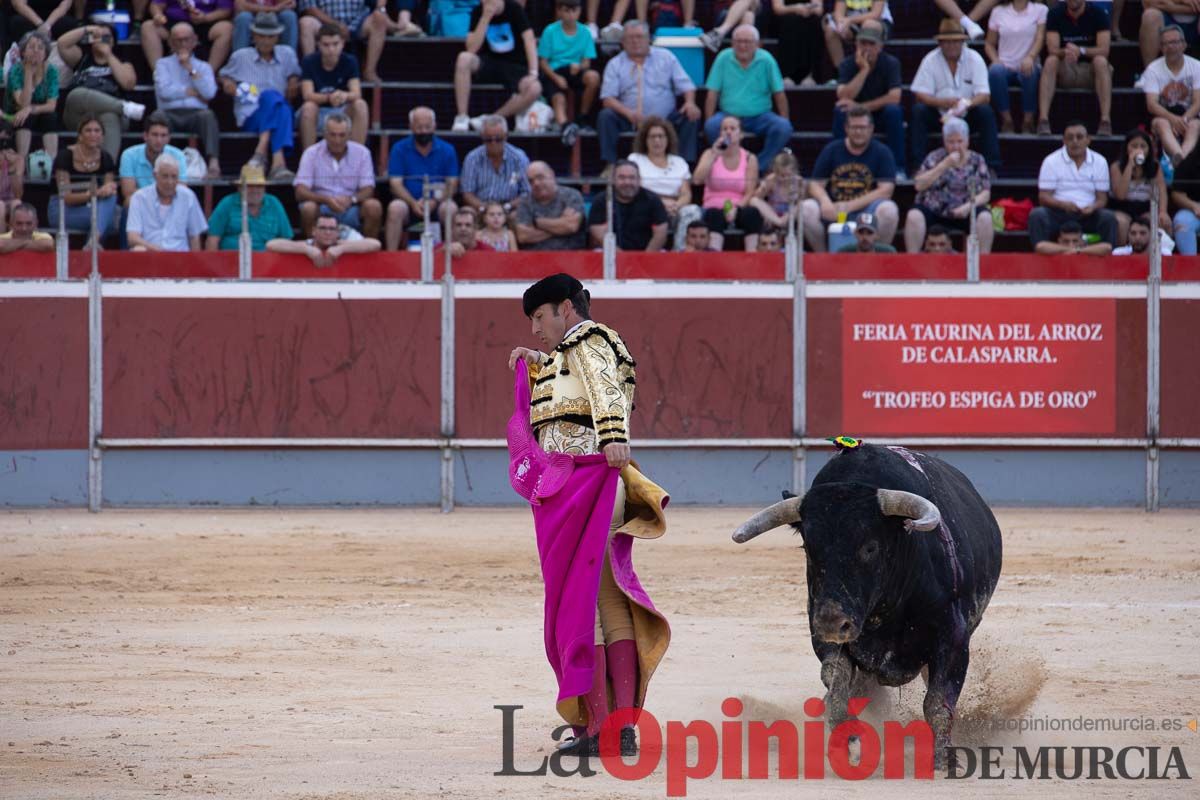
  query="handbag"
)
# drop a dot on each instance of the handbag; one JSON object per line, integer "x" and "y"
{"x": 197, "y": 170}
{"x": 38, "y": 166}
{"x": 1016, "y": 212}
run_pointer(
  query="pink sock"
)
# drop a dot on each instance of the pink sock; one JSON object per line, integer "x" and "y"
{"x": 623, "y": 668}
{"x": 597, "y": 698}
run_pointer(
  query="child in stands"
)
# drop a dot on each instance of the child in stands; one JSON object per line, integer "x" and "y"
{"x": 496, "y": 232}
{"x": 565, "y": 54}
{"x": 779, "y": 193}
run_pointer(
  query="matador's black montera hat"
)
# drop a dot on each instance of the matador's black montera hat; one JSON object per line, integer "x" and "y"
{"x": 552, "y": 289}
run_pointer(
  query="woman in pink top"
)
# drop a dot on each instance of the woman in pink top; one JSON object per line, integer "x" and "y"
{"x": 1016, "y": 33}
{"x": 730, "y": 176}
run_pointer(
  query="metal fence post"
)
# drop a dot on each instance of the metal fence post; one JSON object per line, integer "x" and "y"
{"x": 448, "y": 373}
{"x": 610, "y": 236}
{"x": 95, "y": 378}
{"x": 245, "y": 246}
{"x": 1153, "y": 353}
{"x": 793, "y": 248}
{"x": 94, "y": 238}
{"x": 426, "y": 236}
{"x": 799, "y": 372}
{"x": 973, "y": 241}
{"x": 62, "y": 243}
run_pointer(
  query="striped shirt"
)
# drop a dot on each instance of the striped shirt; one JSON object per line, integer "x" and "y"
{"x": 489, "y": 184}
{"x": 662, "y": 80}
{"x": 324, "y": 174}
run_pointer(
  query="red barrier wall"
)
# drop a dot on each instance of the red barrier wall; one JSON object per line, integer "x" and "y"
{"x": 271, "y": 368}
{"x": 375, "y": 266}
{"x": 706, "y": 368}
{"x": 278, "y": 364}
{"x": 1181, "y": 268}
{"x": 1180, "y": 369}
{"x": 588, "y": 265}
{"x": 124, "y": 264}
{"x": 27, "y": 265}
{"x": 1032, "y": 267}
{"x": 884, "y": 266}
{"x": 524, "y": 266}
{"x": 701, "y": 266}
{"x": 43, "y": 373}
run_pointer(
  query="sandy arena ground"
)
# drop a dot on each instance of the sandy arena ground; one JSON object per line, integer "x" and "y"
{"x": 339, "y": 654}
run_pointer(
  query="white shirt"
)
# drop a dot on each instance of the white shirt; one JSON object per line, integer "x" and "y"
{"x": 1172, "y": 88}
{"x": 1072, "y": 184}
{"x": 171, "y": 225}
{"x": 1166, "y": 242}
{"x": 662, "y": 182}
{"x": 934, "y": 76}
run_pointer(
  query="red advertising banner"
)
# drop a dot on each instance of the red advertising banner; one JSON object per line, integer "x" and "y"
{"x": 979, "y": 366}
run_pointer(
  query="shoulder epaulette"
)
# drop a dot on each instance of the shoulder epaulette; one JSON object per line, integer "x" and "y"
{"x": 592, "y": 328}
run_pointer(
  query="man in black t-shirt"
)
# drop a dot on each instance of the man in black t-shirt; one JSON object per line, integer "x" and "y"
{"x": 871, "y": 78}
{"x": 852, "y": 176}
{"x": 1077, "y": 43}
{"x": 329, "y": 82}
{"x": 641, "y": 218}
{"x": 501, "y": 49}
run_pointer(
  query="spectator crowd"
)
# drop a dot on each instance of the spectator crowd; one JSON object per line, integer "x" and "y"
{"x": 704, "y": 171}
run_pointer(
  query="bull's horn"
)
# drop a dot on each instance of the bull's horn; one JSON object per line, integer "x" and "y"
{"x": 784, "y": 512}
{"x": 919, "y": 513}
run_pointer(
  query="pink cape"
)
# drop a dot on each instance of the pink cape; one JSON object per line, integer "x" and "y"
{"x": 572, "y": 499}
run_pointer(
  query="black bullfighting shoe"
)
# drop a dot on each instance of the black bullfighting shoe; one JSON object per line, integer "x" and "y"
{"x": 629, "y": 745}
{"x": 581, "y": 746}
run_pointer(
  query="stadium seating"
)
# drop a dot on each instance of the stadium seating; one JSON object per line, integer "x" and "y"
{"x": 419, "y": 71}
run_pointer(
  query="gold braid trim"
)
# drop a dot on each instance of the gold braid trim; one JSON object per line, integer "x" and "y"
{"x": 603, "y": 364}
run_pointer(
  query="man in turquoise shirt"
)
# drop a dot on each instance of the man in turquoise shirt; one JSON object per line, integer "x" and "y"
{"x": 137, "y": 162}
{"x": 265, "y": 216}
{"x": 743, "y": 82}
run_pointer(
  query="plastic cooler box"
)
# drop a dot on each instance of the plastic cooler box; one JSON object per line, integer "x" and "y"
{"x": 118, "y": 20}
{"x": 686, "y": 45}
{"x": 840, "y": 234}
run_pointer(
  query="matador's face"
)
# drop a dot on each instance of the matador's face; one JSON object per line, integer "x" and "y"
{"x": 549, "y": 324}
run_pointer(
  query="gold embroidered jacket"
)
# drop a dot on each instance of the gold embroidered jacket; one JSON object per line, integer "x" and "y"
{"x": 583, "y": 392}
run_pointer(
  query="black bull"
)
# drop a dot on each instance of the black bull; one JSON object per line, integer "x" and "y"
{"x": 903, "y": 555}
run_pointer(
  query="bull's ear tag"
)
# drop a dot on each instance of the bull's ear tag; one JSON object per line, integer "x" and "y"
{"x": 844, "y": 442}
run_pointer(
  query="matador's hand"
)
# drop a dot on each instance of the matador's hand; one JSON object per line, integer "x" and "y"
{"x": 617, "y": 454}
{"x": 531, "y": 356}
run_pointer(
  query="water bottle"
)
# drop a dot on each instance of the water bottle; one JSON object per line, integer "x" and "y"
{"x": 1168, "y": 169}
